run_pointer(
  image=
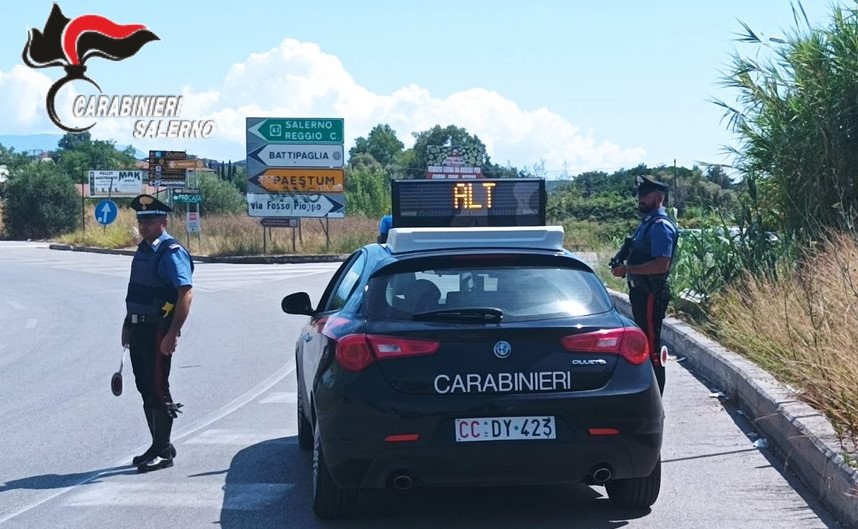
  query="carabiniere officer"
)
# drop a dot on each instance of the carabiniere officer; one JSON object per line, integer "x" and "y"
{"x": 648, "y": 266}
{"x": 158, "y": 302}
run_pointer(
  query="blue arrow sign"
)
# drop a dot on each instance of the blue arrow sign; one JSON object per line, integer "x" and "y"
{"x": 105, "y": 212}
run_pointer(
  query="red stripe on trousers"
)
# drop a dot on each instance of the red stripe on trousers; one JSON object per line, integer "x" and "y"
{"x": 650, "y": 323}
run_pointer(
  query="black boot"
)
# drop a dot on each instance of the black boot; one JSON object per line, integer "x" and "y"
{"x": 149, "y": 453}
{"x": 163, "y": 451}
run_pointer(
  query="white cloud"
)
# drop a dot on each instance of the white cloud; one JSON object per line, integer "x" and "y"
{"x": 299, "y": 79}
{"x": 22, "y": 107}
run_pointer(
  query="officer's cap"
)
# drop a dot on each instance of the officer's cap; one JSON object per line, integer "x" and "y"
{"x": 149, "y": 207}
{"x": 645, "y": 185}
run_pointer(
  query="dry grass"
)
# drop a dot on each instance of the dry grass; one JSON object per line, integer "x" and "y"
{"x": 803, "y": 329}
{"x": 233, "y": 235}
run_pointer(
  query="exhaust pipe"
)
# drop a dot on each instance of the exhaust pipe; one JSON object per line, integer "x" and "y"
{"x": 402, "y": 482}
{"x": 602, "y": 475}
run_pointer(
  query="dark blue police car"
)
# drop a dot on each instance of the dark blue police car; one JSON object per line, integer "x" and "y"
{"x": 473, "y": 356}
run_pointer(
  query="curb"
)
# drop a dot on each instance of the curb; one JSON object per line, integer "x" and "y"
{"x": 233, "y": 259}
{"x": 802, "y": 434}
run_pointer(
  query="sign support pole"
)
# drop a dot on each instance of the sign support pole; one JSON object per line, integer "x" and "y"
{"x": 199, "y": 233}
{"x": 83, "y": 208}
{"x": 109, "y": 197}
{"x": 188, "y": 210}
{"x": 326, "y": 228}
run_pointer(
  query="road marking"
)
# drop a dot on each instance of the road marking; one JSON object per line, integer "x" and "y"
{"x": 239, "y": 402}
{"x": 237, "y": 436}
{"x": 34, "y": 245}
{"x": 282, "y": 397}
{"x": 15, "y": 304}
{"x": 237, "y": 497}
{"x": 31, "y": 323}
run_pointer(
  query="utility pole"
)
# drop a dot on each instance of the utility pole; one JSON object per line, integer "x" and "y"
{"x": 675, "y": 186}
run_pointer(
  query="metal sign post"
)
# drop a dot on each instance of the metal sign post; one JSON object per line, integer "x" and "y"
{"x": 109, "y": 198}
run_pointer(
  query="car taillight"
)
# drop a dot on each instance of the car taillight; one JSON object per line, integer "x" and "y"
{"x": 355, "y": 352}
{"x": 394, "y": 347}
{"x": 628, "y": 342}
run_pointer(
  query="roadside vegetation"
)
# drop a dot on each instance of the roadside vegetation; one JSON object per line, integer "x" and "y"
{"x": 800, "y": 325}
{"x": 792, "y": 308}
{"x": 767, "y": 259}
{"x": 228, "y": 235}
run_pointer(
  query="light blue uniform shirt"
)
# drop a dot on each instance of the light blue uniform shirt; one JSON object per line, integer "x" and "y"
{"x": 175, "y": 266}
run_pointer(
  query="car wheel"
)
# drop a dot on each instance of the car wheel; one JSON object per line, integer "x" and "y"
{"x": 329, "y": 499}
{"x": 635, "y": 493}
{"x": 305, "y": 428}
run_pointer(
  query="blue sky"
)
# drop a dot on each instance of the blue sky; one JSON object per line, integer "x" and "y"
{"x": 578, "y": 85}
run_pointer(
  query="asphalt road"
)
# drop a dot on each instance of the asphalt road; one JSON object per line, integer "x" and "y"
{"x": 66, "y": 441}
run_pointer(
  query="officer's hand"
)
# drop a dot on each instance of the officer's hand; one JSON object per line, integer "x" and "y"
{"x": 619, "y": 271}
{"x": 168, "y": 344}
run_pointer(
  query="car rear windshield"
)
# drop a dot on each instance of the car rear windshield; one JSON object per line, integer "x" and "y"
{"x": 520, "y": 292}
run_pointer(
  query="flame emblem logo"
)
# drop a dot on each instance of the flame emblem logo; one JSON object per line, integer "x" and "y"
{"x": 71, "y": 42}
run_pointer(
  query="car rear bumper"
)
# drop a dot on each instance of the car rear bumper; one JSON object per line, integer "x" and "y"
{"x": 353, "y": 438}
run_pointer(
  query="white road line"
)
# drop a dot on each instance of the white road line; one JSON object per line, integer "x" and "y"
{"x": 239, "y": 496}
{"x": 239, "y": 402}
{"x": 237, "y": 436}
{"x": 195, "y": 426}
{"x": 31, "y": 323}
{"x": 18, "y": 260}
{"x": 15, "y": 305}
{"x": 280, "y": 397}
{"x": 248, "y": 279}
{"x": 34, "y": 245}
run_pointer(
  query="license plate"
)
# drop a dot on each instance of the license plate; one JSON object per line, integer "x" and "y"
{"x": 505, "y": 429}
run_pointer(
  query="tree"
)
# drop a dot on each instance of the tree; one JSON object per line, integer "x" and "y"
{"x": 364, "y": 161}
{"x": 40, "y": 202}
{"x": 72, "y": 141}
{"x": 381, "y": 143}
{"x": 77, "y": 154}
{"x": 491, "y": 170}
{"x": 797, "y": 120}
{"x": 367, "y": 191}
{"x": 220, "y": 196}
{"x": 450, "y": 135}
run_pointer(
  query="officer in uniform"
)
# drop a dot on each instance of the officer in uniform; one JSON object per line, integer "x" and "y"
{"x": 651, "y": 252}
{"x": 384, "y": 226}
{"x": 158, "y": 302}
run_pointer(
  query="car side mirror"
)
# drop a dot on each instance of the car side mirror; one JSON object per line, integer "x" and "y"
{"x": 297, "y": 303}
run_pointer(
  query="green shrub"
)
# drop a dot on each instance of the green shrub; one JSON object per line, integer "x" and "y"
{"x": 220, "y": 196}
{"x": 41, "y": 202}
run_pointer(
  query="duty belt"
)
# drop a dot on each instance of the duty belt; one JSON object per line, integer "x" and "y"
{"x": 144, "y": 318}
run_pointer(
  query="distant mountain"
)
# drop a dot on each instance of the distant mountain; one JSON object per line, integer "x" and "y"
{"x": 44, "y": 142}
{"x": 29, "y": 142}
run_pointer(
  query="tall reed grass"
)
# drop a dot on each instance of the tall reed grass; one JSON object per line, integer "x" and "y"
{"x": 802, "y": 327}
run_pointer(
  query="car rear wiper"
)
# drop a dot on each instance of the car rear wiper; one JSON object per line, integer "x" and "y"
{"x": 476, "y": 315}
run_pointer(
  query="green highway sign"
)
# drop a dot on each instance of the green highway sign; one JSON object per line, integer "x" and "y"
{"x": 187, "y": 196}
{"x": 295, "y": 130}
